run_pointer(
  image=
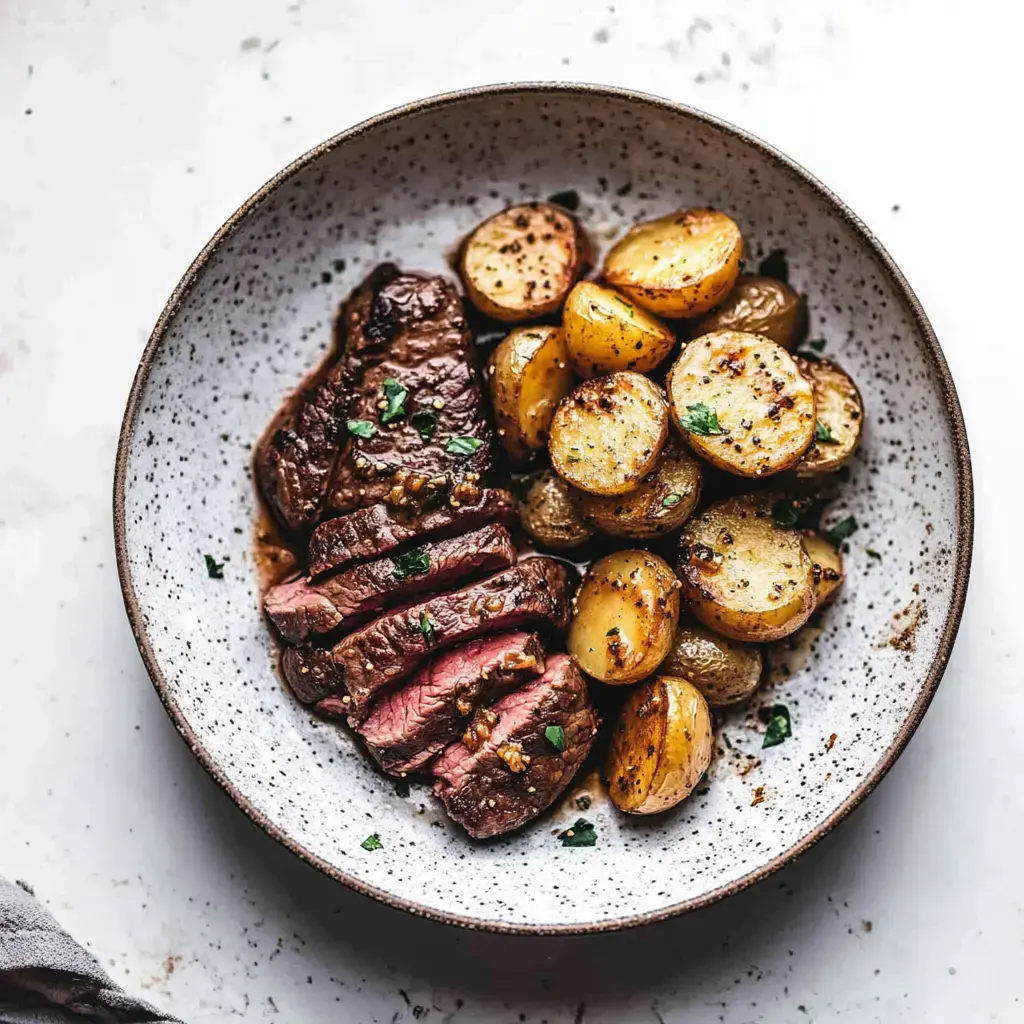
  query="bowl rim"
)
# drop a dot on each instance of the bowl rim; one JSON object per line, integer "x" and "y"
{"x": 954, "y": 416}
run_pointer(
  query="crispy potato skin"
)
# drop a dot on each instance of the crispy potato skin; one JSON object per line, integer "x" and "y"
{"x": 759, "y": 305}
{"x": 661, "y": 503}
{"x": 528, "y": 375}
{"x": 725, "y": 671}
{"x": 839, "y": 407}
{"x": 661, "y": 746}
{"x": 677, "y": 266}
{"x": 607, "y": 434}
{"x": 520, "y": 264}
{"x": 743, "y": 576}
{"x": 624, "y": 617}
{"x": 549, "y": 515}
{"x": 605, "y": 331}
{"x": 827, "y": 566}
{"x": 765, "y": 405}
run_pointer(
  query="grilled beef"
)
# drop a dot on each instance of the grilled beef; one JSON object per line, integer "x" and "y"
{"x": 406, "y": 728}
{"x": 511, "y": 769}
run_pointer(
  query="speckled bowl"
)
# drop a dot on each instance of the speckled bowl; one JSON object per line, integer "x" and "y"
{"x": 252, "y": 314}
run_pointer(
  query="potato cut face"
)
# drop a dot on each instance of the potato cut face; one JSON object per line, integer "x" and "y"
{"x": 549, "y": 515}
{"x": 661, "y": 746}
{"x": 680, "y": 265}
{"x": 827, "y": 566}
{"x": 624, "y": 617}
{"x": 607, "y": 434}
{"x": 725, "y": 671}
{"x": 528, "y": 375}
{"x": 660, "y": 504}
{"x": 520, "y": 264}
{"x": 605, "y": 331}
{"x": 759, "y": 305}
{"x": 742, "y": 403}
{"x": 840, "y": 417}
{"x": 743, "y": 575}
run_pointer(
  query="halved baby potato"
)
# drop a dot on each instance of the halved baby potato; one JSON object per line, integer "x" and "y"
{"x": 549, "y": 515}
{"x": 759, "y": 305}
{"x": 661, "y": 503}
{"x": 604, "y": 331}
{"x": 827, "y": 566}
{"x": 725, "y": 671}
{"x": 677, "y": 266}
{"x": 607, "y": 434}
{"x": 528, "y": 375}
{"x": 840, "y": 417}
{"x": 520, "y": 264}
{"x": 742, "y": 403}
{"x": 661, "y": 746}
{"x": 743, "y": 575}
{"x": 624, "y": 617}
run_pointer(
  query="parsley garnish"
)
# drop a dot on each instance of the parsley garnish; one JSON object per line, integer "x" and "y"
{"x": 425, "y": 420}
{"x": 818, "y": 344}
{"x": 701, "y": 419}
{"x": 623, "y": 302}
{"x": 372, "y": 842}
{"x": 614, "y": 631}
{"x": 581, "y": 834}
{"x": 214, "y": 568}
{"x": 428, "y": 627}
{"x": 835, "y": 535}
{"x": 790, "y": 513}
{"x": 671, "y": 499}
{"x": 555, "y": 735}
{"x": 775, "y": 265}
{"x": 823, "y": 433}
{"x": 779, "y": 725}
{"x": 396, "y": 396}
{"x": 872, "y": 553}
{"x": 569, "y": 199}
{"x": 412, "y": 563}
{"x": 361, "y": 428}
{"x": 462, "y": 445}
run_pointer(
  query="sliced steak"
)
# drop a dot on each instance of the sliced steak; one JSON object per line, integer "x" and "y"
{"x": 510, "y": 770}
{"x": 409, "y": 726}
{"x": 373, "y": 659}
{"x": 307, "y": 608}
{"x": 381, "y": 529}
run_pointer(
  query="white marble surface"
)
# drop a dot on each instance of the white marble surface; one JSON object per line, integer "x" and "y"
{"x": 128, "y": 131}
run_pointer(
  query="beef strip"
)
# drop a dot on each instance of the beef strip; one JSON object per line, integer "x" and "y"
{"x": 373, "y": 659}
{"x": 406, "y": 728}
{"x": 510, "y": 770}
{"x": 307, "y": 608}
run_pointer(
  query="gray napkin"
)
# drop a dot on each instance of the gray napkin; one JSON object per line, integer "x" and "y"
{"x": 47, "y": 978}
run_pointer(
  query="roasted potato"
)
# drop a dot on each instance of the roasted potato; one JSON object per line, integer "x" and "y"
{"x": 742, "y": 403}
{"x": 549, "y": 515}
{"x": 607, "y": 434}
{"x": 725, "y": 671}
{"x": 680, "y": 265}
{"x": 604, "y": 331}
{"x": 528, "y": 375}
{"x": 743, "y": 575}
{"x": 661, "y": 746}
{"x": 759, "y": 305}
{"x": 661, "y": 503}
{"x": 520, "y": 264}
{"x": 840, "y": 417}
{"x": 827, "y": 566}
{"x": 624, "y": 617}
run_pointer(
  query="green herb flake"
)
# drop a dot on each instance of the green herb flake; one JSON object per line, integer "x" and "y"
{"x": 789, "y": 513}
{"x": 372, "y": 842}
{"x": 568, "y": 200}
{"x": 742, "y": 264}
{"x": 214, "y": 569}
{"x": 360, "y": 428}
{"x": 624, "y": 303}
{"x": 581, "y": 834}
{"x": 818, "y": 344}
{"x": 872, "y": 553}
{"x": 701, "y": 419}
{"x": 823, "y": 433}
{"x": 779, "y": 726}
{"x": 671, "y": 499}
{"x": 555, "y": 735}
{"x": 835, "y": 535}
{"x": 425, "y": 421}
{"x": 412, "y": 563}
{"x": 614, "y": 631}
{"x": 462, "y": 445}
{"x": 395, "y": 395}
{"x": 428, "y": 627}
{"x": 402, "y": 788}
{"x": 775, "y": 265}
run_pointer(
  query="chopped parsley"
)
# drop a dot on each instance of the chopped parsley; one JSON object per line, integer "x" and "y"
{"x": 424, "y": 420}
{"x": 701, "y": 419}
{"x": 372, "y": 842}
{"x": 671, "y": 499}
{"x": 775, "y": 265}
{"x": 779, "y": 725}
{"x": 818, "y": 344}
{"x": 214, "y": 569}
{"x": 581, "y": 834}
{"x": 462, "y": 445}
{"x": 835, "y": 535}
{"x": 395, "y": 395}
{"x": 614, "y": 631}
{"x": 823, "y": 433}
{"x": 412, "y": 563}
{"x": 568, "y": 200}
{"x": 623, "y": 302}
{"x": 872, "y": 553}
{"x": 361, "y": 428}
{"x": 555, "y": 735}
{"x": 428, "y": 627}
{"x": 789, "y": 513}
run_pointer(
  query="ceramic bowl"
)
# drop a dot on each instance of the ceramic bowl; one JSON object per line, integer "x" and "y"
{"x": 253, "y": 313}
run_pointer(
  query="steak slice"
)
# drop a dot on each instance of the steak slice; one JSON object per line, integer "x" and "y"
{"x": 388, "y": 650}
{"x": 408, "y": 726}
{"x": 380, "y": 529}
{"x": 510, "y": 771}
{"x": 306, "y": 608}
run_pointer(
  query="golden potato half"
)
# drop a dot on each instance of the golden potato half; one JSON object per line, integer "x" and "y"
{"x": 742, "y": 403}
{"x": 827, "y": 566}
{"x": 840, "y": 417}
{"x": 624, "y": 617}
{"x": 608, "y": 433}
{"x": 604, "y": 331}
{"x": 680, "y": 265}
{"x": 759, "y": 305}
{"x": 743, "y": 575}
{"x": 528, "y": 375}
{"x": 661, "y": 746}
{"x": 661, "y": 503}
{"x": 520, "y": 264}
{"x": 549, "y": 515}
{"x": 725, "y": 671}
